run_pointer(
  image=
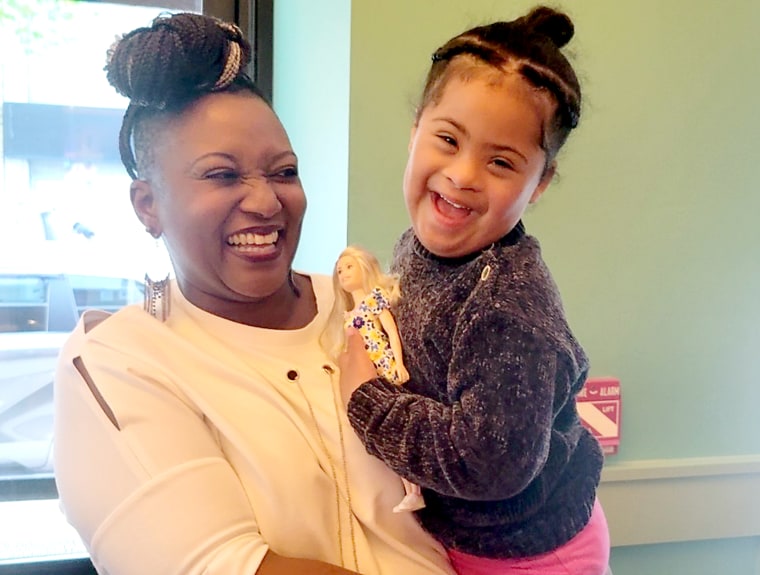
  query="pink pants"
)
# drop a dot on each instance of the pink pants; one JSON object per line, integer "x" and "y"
{"x": 587, "y": 553}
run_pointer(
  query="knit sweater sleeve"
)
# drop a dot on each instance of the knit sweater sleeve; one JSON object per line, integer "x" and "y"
{"x": 491, "y": 437}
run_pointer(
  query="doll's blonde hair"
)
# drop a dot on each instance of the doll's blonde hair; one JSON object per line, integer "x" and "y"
{"x": 333, "y": 336}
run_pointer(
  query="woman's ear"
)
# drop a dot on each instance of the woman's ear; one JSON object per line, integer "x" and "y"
{"x": 544, "y": 182}
{"x": 143, "y": 199}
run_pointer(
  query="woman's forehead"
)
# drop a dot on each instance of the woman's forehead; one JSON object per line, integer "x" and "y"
{"x": 237, "y": 125}
{"x": 239, "y": 109}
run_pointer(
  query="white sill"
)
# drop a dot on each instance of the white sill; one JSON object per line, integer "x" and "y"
{"x": 33, "y": 531}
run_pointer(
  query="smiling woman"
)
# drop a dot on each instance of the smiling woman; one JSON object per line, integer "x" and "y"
{"x": 160, "y": 409}
{"x": 220, "y": 185}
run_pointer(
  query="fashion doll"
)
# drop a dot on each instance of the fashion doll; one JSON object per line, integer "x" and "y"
{"x": 364, "y": 296}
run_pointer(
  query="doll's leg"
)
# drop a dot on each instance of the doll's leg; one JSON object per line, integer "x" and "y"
{"x": 412, "y": 500}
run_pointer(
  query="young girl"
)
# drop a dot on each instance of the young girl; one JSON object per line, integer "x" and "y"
{"x": 363, "y": 299}
{"x": 487, "y": 423}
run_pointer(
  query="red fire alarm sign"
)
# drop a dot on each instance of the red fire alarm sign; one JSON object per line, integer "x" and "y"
{"x": 599, "y": 408}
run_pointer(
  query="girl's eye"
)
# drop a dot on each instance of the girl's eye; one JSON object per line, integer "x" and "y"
{"x": 502, "y": 163}
{"x": 449, "y": 140}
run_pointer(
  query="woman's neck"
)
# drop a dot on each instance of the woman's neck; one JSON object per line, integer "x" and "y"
{"x": 293, "y": 306}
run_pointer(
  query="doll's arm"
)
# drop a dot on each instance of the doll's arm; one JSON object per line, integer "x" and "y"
{"x": 389, "y": 325}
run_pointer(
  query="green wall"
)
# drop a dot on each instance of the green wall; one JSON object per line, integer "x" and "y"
{"x": 650, "y": 229}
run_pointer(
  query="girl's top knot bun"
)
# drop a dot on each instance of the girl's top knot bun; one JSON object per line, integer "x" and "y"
{"x": 548, "y": 22}
{"x": 175, "y": 59}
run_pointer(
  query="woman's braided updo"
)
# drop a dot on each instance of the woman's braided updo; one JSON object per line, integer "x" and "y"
{"x": 167, "y": 66}
{"x": 529, "y": 46}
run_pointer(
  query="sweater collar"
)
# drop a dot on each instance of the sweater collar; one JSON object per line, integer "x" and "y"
{"x": 510, "y": 239}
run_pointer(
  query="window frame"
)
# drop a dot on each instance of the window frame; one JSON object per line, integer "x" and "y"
{"x": 82, "y": 566}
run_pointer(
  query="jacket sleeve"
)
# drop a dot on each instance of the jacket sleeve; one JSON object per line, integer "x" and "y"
{"x": 141, "y": 476}
{"x": 491, "y": 437}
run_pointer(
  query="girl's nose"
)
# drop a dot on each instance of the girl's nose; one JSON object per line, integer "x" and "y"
{"x": 260, "y": 198}
{"x": 463, "y": 172}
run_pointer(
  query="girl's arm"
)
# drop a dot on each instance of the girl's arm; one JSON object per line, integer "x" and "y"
{"x": 491, "y": 438}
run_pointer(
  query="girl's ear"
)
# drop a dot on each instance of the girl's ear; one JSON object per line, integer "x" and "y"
{"x": 546, "y": 179}
{"x": 143, "y": 199}
{"x": 411, "y": 137}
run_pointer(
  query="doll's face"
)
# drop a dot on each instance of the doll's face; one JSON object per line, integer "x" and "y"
{"x": 350, "y": 274}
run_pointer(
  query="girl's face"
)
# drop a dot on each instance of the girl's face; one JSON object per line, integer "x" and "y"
{"x": 475, "y": 163}
{"x": 350, "y": 274}
{"x": 228, "y": 200}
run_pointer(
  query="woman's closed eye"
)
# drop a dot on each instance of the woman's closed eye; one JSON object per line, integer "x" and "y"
{"x": 228, "y": 176}
{"x": 284, "y": 174}
{"x": 223, "y": 176}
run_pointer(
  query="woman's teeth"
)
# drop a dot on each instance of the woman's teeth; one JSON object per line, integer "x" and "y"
{"x": 252, "y": 239}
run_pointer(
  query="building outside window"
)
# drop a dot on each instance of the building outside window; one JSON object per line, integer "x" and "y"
{"x": 69, "y": 237}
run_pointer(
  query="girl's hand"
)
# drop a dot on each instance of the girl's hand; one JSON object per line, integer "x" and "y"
{"x": 401, "y": 373}
{"x": 355, "y": 365}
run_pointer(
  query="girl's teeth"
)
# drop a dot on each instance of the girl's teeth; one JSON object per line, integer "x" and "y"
{"x": 448, "y": 201}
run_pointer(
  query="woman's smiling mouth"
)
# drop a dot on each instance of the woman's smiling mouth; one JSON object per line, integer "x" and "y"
{"x": 252, "y": 242}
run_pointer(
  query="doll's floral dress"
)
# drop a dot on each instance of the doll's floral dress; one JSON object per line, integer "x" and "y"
{"x": 365, "y": 318}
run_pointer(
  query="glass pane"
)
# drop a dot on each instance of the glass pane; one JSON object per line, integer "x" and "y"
{"x": 71, "y": 240}
{"x": 23, "y": 304}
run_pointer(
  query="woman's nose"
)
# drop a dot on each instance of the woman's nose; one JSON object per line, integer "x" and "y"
{"x": 260, "y": 198}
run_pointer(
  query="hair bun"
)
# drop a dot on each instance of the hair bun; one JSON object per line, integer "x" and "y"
{"x": 177, "y": 57}
{"x": 548, "y": 22}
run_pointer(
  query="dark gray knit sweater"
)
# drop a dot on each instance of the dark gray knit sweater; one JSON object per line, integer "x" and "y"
{"x": 487, "y": 424}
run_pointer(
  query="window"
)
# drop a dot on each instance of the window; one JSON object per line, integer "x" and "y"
{"x": 71, "y": 241}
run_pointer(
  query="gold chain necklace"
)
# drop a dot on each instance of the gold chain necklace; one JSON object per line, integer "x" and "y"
{"x": 294, "y": 376}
